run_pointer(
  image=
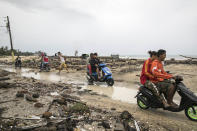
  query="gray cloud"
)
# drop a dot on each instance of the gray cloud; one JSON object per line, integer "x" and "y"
{"x": 48, "y": 5}
{"x": 105, "y": 26}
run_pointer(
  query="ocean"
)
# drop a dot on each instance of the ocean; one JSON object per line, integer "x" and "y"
{"x": 168, "y": 57}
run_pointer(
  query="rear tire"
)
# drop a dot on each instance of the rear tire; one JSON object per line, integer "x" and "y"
{"x": 110, "y": 82}
{"x": 141, "y": 104}
{"x": 190, "y": 113}
{"x": 90, "y": 80}
{"x": 47, "y": 69}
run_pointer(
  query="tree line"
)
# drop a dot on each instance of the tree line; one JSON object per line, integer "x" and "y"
{"x": 4, "y": 51}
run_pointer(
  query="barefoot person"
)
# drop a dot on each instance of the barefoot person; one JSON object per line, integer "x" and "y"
{"x": 62, "y": 62}
{"x": 146, "y": 77}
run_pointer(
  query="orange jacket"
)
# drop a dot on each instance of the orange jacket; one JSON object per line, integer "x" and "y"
{"x": 158, "y": 72}
{"x": 146, "y": 74}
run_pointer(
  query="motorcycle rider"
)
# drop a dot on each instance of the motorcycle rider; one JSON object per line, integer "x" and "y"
{"x": 45, "y": 59}
{"x": 18, "y": 61}
{"x": 97, "y": 65}
{"x": 162, "y": 79}
{"x": 89, "y": 69}
{"x": 94, "y": 64}
{"x": 97, "y": 59}
{"x": 146, "y": 76}
{"x": 89, "y": 58}
{"x": 41, "y": 60}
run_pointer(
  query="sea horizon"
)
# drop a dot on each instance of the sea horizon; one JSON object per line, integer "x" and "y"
{"x": 168, "y": 57}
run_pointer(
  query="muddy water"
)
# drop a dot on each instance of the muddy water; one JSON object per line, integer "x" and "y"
{"x": 47, "y": 76}
{"x": 119, "y": 91}
{"x": 123, "y": 94}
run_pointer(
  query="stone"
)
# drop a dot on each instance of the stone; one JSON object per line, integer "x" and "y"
{"x": 35, "y": 95}
{"x": 113, "y": 109}
{"x": 38, "y": 105}
{"x": 60, "y": 101}
{"x": 47, "y": 115}
{"x": 79, "y": 108}
{"x": 19, "y": 94}
{"x": 29, "y": 98}
{"x": 126, "y": 115}
{"x": 105, "y": 125}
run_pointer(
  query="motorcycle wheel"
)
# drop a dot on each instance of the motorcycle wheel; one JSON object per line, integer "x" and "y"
{"x": 141, "y": 104}
{"x": 110, "y": 82}
{"x": 90, "y": 80}
{"x": 47, "y": 69}
{"x": 191, "y": 112}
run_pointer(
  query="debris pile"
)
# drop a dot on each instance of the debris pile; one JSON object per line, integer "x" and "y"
{"x": 29, "y": 104}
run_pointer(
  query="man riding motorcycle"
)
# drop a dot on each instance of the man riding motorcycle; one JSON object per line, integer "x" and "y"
{"x": 89, "y": 69}
{"x": 94, "y": 64}
{"x": 162, "y": 79}
{"x": 44, "y": 62}
{"x": 18, "y": 62}
{"x": 97, "y": 63}
{"x": 146, "y": 76}
{"x": 45, "y": 59}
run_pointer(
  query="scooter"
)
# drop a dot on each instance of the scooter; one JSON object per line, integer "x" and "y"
{"x": 18, "y": 63}
{"x": 146, "y": 99}
{"x": 45, "y": 67}
{"x": 106, "y": 75}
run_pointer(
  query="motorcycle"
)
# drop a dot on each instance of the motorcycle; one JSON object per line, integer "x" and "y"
{"x": 146, "y": 99}
{"x": 18, "y": 63}
{"x": 45, "y": 67}
{"x": 106, "y": 75}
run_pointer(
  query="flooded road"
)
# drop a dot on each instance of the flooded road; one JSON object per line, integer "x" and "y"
{"x": 47, "y": 76}
{"x": 120, "y": 91}
{"x": 123, "y": 94}
{"x": 117, "y": 92}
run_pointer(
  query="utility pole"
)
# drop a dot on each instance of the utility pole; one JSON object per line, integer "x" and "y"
{"x": 8, "y": 27}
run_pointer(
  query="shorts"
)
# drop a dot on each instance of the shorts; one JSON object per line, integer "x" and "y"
{"x": 62, "y": 65}
{"x": 154, "y": 89}
{"x": 164, "y": 86}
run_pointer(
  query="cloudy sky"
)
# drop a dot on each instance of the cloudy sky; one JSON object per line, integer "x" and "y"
{"x": 126, "y": 27}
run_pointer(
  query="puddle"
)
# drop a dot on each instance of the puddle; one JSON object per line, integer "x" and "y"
{"x": 49, "y": 76}
{"x": 119, "y": 91}
{"x": 124, "y": 94}
{"x": 116, "y": 93}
